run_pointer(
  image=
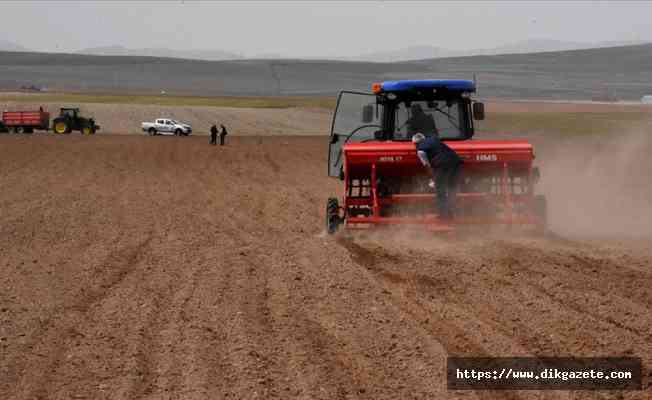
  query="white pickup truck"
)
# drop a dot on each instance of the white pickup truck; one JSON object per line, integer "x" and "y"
{"x": 166, "y": 126}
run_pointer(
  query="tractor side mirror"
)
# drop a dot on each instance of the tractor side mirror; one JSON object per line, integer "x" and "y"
{"x": 478, "y": 111}
{"x": 367, "y": 113}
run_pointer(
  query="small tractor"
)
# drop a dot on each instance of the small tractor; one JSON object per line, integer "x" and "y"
{"x": 69, "y": 120}
{"x": 385, "y": 184}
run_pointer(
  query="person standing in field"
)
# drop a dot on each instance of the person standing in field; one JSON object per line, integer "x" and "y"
{"x": 223, "y": 134}
{"x": 213, "y": 135}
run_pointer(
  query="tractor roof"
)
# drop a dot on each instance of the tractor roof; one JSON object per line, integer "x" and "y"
{"x": 409, "y": 85}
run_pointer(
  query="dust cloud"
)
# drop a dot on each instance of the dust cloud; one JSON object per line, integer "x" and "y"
{"x": 599, "y": 186}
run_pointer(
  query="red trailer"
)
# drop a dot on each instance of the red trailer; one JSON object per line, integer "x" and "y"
{"x": 25, "y": 121}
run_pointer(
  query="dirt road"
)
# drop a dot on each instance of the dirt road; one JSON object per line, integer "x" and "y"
{"x": 161, "y": 268}
{"x": 126, "y": 118}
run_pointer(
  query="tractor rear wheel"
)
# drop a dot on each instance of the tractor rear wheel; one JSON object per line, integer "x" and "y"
{"x": 60, "y": 127}
{"x": 333, "y": 219}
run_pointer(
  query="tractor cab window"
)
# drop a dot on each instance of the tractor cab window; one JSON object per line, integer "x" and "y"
{"x": 357, "y": 118}
{"x": 350, "y": 119}
{"x": 68, "y": 113}
{"x": 428, "y": 117}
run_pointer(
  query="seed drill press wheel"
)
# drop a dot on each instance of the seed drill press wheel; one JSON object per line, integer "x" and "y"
{"x": 333, "y": 219}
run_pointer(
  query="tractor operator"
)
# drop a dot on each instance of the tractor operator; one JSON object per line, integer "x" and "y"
{"x": 443, "y": 166}
{"x": 420, "y": 122}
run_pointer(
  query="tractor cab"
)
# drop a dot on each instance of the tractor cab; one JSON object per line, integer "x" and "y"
{"x": 371, "y": 150}
{"x": 69, "y": 112}
{"x": 396, "y": 110}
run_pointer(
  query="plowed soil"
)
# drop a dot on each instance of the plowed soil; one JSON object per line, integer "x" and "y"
{"x": 163, "y": 268}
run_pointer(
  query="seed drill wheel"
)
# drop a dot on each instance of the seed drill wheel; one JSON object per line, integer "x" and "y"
{"x": 60, "y": 127}
{"x": 333, "y": 219}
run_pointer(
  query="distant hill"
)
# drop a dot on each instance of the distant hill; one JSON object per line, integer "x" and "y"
{"x": 548, "y": 45}
{"x": 6, "y": 45}
{"x": 625, "y": 71}
{"x": 209, "y": 55}
{"x": 406, "y": 54}
{"x": 527, "y": 46}
{"x": 409, "y": 53}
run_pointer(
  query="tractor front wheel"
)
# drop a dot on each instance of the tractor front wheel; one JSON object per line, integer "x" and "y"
{"x": 333, "y": 219}
{"x": 87, "y": 130}
{"x": 60, "y": 127}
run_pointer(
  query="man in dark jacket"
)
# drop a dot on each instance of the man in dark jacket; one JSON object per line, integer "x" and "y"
{"x": 443, "y": 166}
{"x": 214, "y": 135}
{"x": 420, "y": 122}
{"x": 223, "y": 134}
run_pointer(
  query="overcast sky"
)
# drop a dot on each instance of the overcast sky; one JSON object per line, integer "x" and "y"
{"x": 316, "y": 28}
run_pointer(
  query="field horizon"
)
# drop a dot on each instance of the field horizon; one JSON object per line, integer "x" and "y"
{"x": 122, "y": 114}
